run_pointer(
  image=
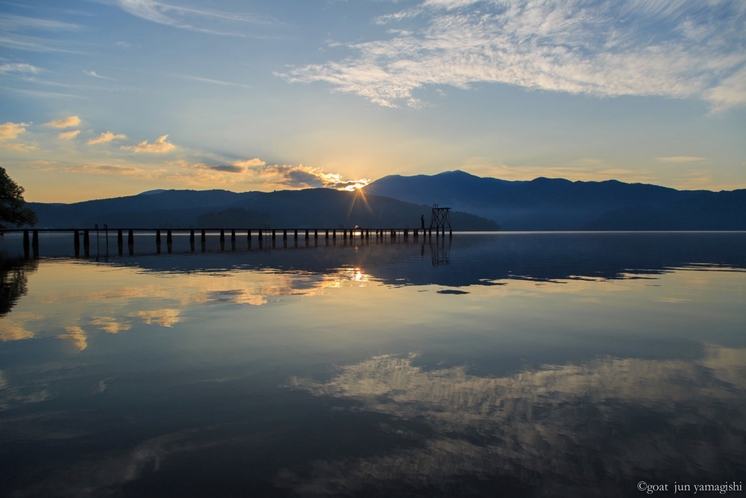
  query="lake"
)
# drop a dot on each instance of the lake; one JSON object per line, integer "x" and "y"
{"x": 508, "y": 364}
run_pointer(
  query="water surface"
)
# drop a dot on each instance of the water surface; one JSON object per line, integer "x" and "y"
{"x": 485, "y": 365}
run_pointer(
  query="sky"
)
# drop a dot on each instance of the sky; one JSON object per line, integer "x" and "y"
{"x": 106, "y": 98}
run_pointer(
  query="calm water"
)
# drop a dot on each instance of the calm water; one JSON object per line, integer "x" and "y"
{"x": 490, "y": 365}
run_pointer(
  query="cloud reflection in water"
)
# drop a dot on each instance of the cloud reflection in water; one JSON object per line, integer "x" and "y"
{"x": 571, "y": 425}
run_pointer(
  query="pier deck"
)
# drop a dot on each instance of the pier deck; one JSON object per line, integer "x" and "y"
{"x": 82, "y": 236}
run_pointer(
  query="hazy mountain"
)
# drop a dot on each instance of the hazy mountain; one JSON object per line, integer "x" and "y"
{"x": 320, "y": 208}
{"x": 558, "y": 204}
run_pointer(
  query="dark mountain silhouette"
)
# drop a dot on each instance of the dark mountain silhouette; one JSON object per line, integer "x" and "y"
{"x": 321, "y": 208}
{"x": 559, "y": 204}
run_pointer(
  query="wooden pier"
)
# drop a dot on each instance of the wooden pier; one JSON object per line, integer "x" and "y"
{"x": 31, "y": 236}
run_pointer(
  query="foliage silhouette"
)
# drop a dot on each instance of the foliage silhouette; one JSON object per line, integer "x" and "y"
{"x": 12, "y": 210}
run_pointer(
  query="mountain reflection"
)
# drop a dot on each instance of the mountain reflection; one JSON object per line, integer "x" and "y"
{"x": 608, "y": 423}
{"x": 480, "y": 259}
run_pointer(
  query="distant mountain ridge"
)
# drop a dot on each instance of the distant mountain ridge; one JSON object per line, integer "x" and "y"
{"x": 310, "y": 208}
{"x": 559, "y": 204}
{"x": 399, "y": 201}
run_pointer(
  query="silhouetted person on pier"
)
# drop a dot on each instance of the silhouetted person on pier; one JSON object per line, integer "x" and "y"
{"x": 422, "y": 221}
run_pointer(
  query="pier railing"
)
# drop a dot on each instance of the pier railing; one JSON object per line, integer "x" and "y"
{"x": 82, "y": 236}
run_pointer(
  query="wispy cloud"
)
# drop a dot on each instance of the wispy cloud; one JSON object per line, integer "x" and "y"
{"x": 201, "y": 20}
{"x": 159, "y": 146}
{"x": 210, "y": 80}
{"x": 95, "y": 75}
{"x": 106, "y": 137}
{"x": 33, "y": 44}
{"x": 110, "y": 169}
{"x": 10, "y": 22}
{"x": 670, "y": 48}
{"x": 19, "y": 68}
{"x": 681, "y": 159}
{"x": 67, "y": 122}
{"x": 68, "y": 135}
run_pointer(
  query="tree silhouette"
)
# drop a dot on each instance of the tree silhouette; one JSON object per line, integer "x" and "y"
{"x": 11, "y": 203}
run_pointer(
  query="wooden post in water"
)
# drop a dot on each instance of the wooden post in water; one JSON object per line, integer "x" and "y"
{"x": 334, "y": 234}
{"x": 327, "y": 234}
{"x": 222, "y": 236}
{"x": 169, "y": 241}
{"x": 86, "y": 243}
{"x": 35, "y": 243}
{"x": 203, "y": 236}
{"x": 120, "y": 242}
{"x": 158, "y": 241}
{"x": 76, "y": 243}
{"x": 273, "y": 235}
{"x": 233, "y": 239}
{"x": 26, "y": 245}
{"x": 306, "y": 234}
{"x": 130, "y": 241}
{"x": 248, "y": 236}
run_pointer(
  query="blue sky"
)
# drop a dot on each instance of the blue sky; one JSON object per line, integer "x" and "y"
{"x": 104, "y": 98}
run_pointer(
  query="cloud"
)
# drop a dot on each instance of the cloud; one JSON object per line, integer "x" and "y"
{"x": 68, "y": 135}
{"x": 228, "y": 168}
{"x": 213, "y": 81}
{"x": 249, "y": 163}
{"x": 106, "y": 137}
{"x": 67, "y": 122}
{"x": 9, "y": 131}
{"x": 76, "y": 336}
{"x": 159, "y": 146}
{"x": 670, "y": 48}
{"x": 111, "y": 169}
{"x": 19, "y": 68}
{"x": 288, "y": 175}
{"x": 681, "y": 159}
{"x": 95, "y": 75}
{"x": 201, "y": 20}
{"x": 10, "y": 22}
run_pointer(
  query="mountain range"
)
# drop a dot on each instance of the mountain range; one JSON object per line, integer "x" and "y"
{"x": 559, "y": 204}
{"x": 310, "y": 208}
{"x": 398, "y": 201}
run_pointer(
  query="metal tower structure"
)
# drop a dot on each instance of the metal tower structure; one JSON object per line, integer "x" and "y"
{"x": 440, "y": 219}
